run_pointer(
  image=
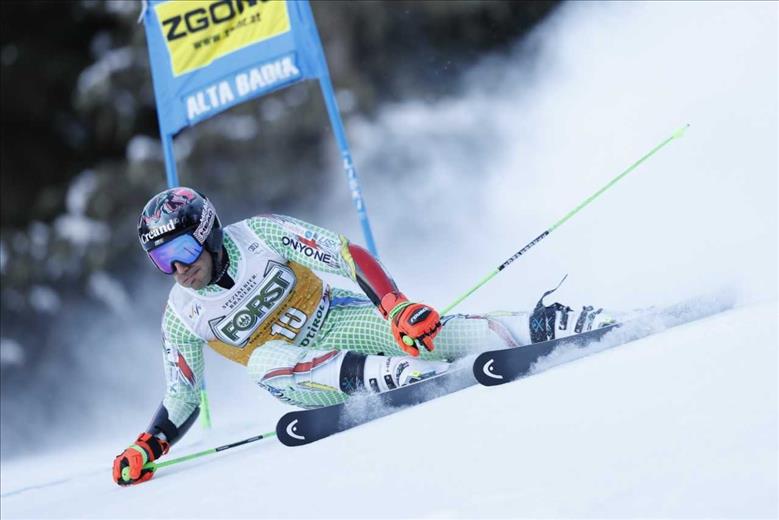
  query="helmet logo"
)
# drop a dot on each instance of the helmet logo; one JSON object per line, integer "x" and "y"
{"x": 206, "y": 222}
{"x": 174, "y": 199}
{"x": 159, "y": 230}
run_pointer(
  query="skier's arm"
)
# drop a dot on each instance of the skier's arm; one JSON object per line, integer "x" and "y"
{"x": 323, "y": 250}
{"x": 413, "y": 324}
{"x": 183, "y": 359}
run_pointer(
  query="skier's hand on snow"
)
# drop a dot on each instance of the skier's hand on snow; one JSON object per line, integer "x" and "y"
{"x": 128, "y": 465}
{"x": 412, "y": 323}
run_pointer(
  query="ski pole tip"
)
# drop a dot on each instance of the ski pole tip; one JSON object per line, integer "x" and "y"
{"x": 679, "y": 133}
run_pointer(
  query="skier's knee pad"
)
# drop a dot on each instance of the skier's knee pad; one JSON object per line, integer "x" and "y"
{"x": 306, "y": 378}
{"x": 272, "y": 354}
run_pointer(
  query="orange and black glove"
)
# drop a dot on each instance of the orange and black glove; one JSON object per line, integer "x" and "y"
{"x": 412, "y": 323}
{"x": 128, "y": 465}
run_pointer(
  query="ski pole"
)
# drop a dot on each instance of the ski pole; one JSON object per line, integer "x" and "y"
{"x": 205, "y": 409}
{"x": 560, "y": 222}
{"x": 155, "y": 465}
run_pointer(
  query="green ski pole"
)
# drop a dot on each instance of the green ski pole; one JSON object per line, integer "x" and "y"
{"x": 205, "y": 409}
{"x": 560, "y": 222}
{"x": 156, "y": 465}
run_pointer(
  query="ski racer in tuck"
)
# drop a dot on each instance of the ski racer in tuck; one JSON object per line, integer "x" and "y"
{"x": 248, "y": 291}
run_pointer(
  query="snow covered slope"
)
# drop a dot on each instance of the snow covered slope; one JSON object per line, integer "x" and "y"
{"x": 682, "y": 423}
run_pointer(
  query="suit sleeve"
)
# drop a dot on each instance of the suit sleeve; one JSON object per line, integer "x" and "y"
{"x": 183, "y": 362}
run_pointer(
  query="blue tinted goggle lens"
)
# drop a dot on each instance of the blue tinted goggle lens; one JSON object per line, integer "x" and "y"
{"x": 184, "y": 249}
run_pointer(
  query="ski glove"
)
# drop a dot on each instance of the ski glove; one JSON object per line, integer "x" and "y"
{"x": 412, "y": 323}
{"x": 128, "y": 465}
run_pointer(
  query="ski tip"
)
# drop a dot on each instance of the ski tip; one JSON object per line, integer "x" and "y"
{"x": 287, "y": 431}
{"x": 679, "y": 133}
{"x": 485, "y": 371}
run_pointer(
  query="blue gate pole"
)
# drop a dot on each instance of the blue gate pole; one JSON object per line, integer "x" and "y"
{"x": 337, "y": 125}
{"x": 346, "y": 155}
{"x": 170, "y": 161}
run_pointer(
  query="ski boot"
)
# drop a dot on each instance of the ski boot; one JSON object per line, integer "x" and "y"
{"x": 384, "y": 373}
{"x": 548, "y": 322}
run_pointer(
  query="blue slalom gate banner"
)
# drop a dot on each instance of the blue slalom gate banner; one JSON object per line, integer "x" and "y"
{"x": 209, "y": 55}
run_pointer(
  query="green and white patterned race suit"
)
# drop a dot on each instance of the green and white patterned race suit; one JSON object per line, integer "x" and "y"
{"x": 280, "y": 315}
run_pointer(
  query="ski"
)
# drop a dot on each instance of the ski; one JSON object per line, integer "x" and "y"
{"x": 494, "y": 367}
{"x": 306, "y": 426}
{"x": 497, "y": 367}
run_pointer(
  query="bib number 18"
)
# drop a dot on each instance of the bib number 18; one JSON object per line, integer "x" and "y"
{"x": 289, "y": 324}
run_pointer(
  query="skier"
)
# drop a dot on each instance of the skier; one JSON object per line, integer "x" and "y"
{"x": 248, "y": 290}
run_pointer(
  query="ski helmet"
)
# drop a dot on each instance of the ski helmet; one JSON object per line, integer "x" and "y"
{"x": 176, "y": 225}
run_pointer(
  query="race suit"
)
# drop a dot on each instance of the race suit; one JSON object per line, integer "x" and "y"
{"x": 280, "y": 318}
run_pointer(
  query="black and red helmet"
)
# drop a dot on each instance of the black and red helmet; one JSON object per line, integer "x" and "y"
{"x": 179, "y": 211}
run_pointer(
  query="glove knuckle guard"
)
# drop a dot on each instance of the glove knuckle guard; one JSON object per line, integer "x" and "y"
{"x": 419, "y": 322}
{"x": 152, "y": 447}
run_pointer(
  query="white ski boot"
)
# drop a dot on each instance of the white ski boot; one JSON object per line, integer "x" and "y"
{"x": 383, "y": 373}
{"x": 553, "y": 321}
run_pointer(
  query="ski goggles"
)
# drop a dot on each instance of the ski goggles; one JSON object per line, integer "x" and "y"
{"x": 184, "y": 249}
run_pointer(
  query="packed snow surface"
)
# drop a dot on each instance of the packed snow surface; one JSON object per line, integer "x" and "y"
{"x": 682, "y": 423}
